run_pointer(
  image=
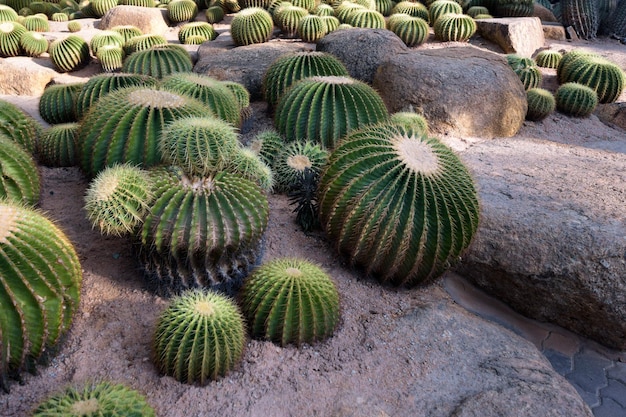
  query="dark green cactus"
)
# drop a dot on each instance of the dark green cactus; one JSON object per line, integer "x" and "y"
{"x": 514, "y": 8}
{"x": 57, "y": 103}
{"x": 289, "y": 68}
{"x": 290, "y": 301}
{"x": 118, "y": 199}
{"x": 200, "y": 337}
{"x": 252, "y": 25}
{"x": 10, "y": 34}
{"x": 582, "y": 15}
{"x": 182, "y": 10}
{"x": 159, "y": 61}
{"x": 217, "y": 96}
{"x": 36, "y": 23}
{"x": 548, "y": 59}
{"x": 616, "y": 25}
{"x": 202, "y": 29}
{"x": 58, "y": 145}
{"x": 214, "y": 14}
{"x": 526, "y": 70}
{"x": 413, "y": 31}
{"x": 540, "y": 104}
{"x": 69, "y": 54}
{"x": 33, "y": 44}
{"x": 575, "y": 99}
{"x": 288, "y": 19}
{"x": 96, "y": 400}
{"x": 202, "y": 232}
{"x": 41, "y": 277}
{"x": 293, "y": 159}
{"x": 606, "y": 78}
{"x": 477, "y": 11}
{"x": 398, "y": 203}
{"x": 242, "y": 95}
{"x": 125, "y": 126}
{"x": 414, "y": 9}
{"x": 19, "y": 181}
{"x": 19, "y": 126}
{"x": 366, "y": 18}
{"x": 335, "y": 106}
{"x": 440, "y": 7}
{"x": 311, "y": 28}
{"x": 384, "y": 7}
{"x": 452, "y": 27}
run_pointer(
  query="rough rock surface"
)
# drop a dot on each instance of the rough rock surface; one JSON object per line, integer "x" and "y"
{"x": 458, "y": 89}
{"x": 149, "y": 19}
{"x": 25, "y": 76}
{"x": 613, "y": 114}
{"x": 245, "y": 64}
{"x": 554, "y": 31}
{"x": 362, "y": 50}
{"x": 515, "y": 35}
{"x": 552, "y": 237}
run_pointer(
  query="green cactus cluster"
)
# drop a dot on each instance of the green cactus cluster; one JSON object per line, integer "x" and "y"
{"x": 526, "y": 69}
{"x": 57, "y": 103}
{"x": 548, "y": 59}
{"x": 453, "y": 27}
{"x": 159, "y": 61}
{"x": 33, "y": 44}
{"x": 250, "y": 26}
{"x": 181, "y": 10}
{"x": 10, "y": 34}
{"x": 100, "y": 7}
{"x": 293, "y": 159}
{"x": 398, "y": 203}
{"x": 582, "y": 15}
{"x": 541, "y": 103}
{"x": 413, "y": 31}
{"x": 127, "y": 31}
{"x": 345, "y": 9}
{"x": 439, "y": 8}
{"x": 36, "y": 23}
{"x": 103, "y": 399}
{"x": 202, "y": 29}
{"x": 20, "y": 179}
{"x": 288, "y": 18}
{"x": 69, "y": 54}
{"x": 414, "y": 9}
{"x": 58, "y": 147}
{"x": 143, "y": 42}
{"x": 106, "y": 37}
{"x": 41, "y": 277}
{"x": 290, "y": 301}
{"x": 575, "y": 99}
{"x": 19, "y": 126}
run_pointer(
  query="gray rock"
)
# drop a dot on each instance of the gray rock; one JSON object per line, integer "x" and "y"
{"x": 462, "y": 89}
{"x": 362, "y": 50}
{"x": 25, "y": 76}
{"x": 245, "y": 64}
{"x": 613, "y": 114}
{"x": 148, "y": 19}
{"x": 552, "y": 237}
{"x": 515, "y": 35}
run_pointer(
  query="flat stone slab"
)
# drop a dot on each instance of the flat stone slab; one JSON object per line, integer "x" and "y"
{"x": 515, "y": 35}
{"x": 25, "y": 76}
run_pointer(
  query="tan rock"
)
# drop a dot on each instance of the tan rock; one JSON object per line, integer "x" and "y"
{"x": 25, "y": 76}
{"x": 554, "y": 31}
{"x": 148, "y": 19}
{"x": 515, "y": 35}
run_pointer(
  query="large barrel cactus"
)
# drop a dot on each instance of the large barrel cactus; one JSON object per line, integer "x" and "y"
{"x": 290, "y": 301}
{"x": 159, "y": 61}
{"x": 454, "y": 27}
{"x": 10, "y": 34}
{"x": 335, "y": 105}
{"x": 20, "y": 179}
{"x": 616, "y": 24}
{"x": 33, "y": 44}
{"x": 439, "y": 8}
{"x": 540, "y": 104}
{"x": 606, "y": 78}
{"x": 412, "y": 30}
{"x": 548, "y": 59}
{"x": 39, "y": 289}
{"x": 582, "y": 15}
{"x": 69, "y": 54}
{"x": 125, "y": 125}
{"x": 251, "y": 25}
{"x": 398, "y": 203}
{"x": 57, "y": 103}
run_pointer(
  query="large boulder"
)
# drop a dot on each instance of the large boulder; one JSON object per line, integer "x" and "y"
{"x": 25, "y": 76}
{"x": 552, "y": 237}
{"x": 515, "y": 35}
{"x": 462, "y": 89}
{"x": 362, "y": 50}
{"x": 148, "y": 19}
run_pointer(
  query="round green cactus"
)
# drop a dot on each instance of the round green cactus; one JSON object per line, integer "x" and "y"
{"x": 56, "y": 104}
{"x": 97, "y": 400}
{"x": 36, "y": 23}
{"x": 323, "y": 9}
{"x": 182, "y": 10}
{"x": 582, "y": 15}
{"x": 289, "y": 18}
{"x": 139, "y": 3}
{"x": 69, "y": 54}
{"x": 19, "y": 126}
{"x": 411, "y": 120}
{"x": 7, "y": 14}
{"x": 526, "y": 70}
{"x": 335, "y": 106}
{"x": 575, "y": 99}
{"x": 200, "y": 146}
{"x": 412, "y": 9}
{"x": 74, "y": 26}
{"x": 514, "y": 8}
{"x": 143, "y": 42}
{"x": 59, "y": 17}
{"x": 291, "y": 162}
{"x": 111, "y": 58}
{"x": 606, "y": 78}
{"x": 477, "y": 11}
{"x": 366, "y": 18}
{"x": 57, "y": 146}
{"x": 452, "y": 27}
{"x": 217, "y": 96}
{"x": 100, "y": 7}
{"x": 345, "y": 9}
{"x": 290, "y": 301}
{"x": 311, "y": 28}
{"x": 159, "y": 61}
{"x": 548, "y": 59}
{"x": 202, "y": 232}
{"x": 398, "y": 203}
{"x": 128, "y": 32}
{"x": 125, "y": 126}
{"x": 41, "y": 277}
{"x": 264, "y": 4}
{"x": 252, "y": 25}
{"x": 289, "y": 68}
{"x": 249, "y": 165}
{"x": 10, "y": 34}
{"x": 202, "y": 29}
{"x": 106, "y": 37}
{"x": 214, "y": 14}
{"x": 413, "y": 31}
{"x": 240, "y": 92}
{"x": 200, "y": 337}
{"x": 309, "y": 5}
{"x": 20, "y": 179}
{"x": 331, "y": 22}
{"x": 267, "y": 144}
{"x": 33, "y": 44}
{"x": 440, "y": 7}
{"x": 118, "y": 199}
{"x": 384, "y": 7}
{"x": 540, "y": 104}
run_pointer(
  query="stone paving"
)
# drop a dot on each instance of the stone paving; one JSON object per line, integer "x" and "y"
{"x": 598, "y": 373}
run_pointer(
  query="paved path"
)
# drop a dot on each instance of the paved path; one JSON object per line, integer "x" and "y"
{"x": 597, "y": 373}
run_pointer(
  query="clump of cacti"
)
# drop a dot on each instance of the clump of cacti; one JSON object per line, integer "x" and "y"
{"x": 200, "y": 337}
{"x": 288, "y": 18}
{"x": 20, "y": 179}
{"x": 252, "y": 25}
{"x": 293, "y": 159}
{"x": 413, "y": 31}
{"x": 106, "y": 37}
{"x": 398, "y": 203}
{"x": 540, "y": 104}
{"x": 267, "y": 144}
{"x": 290, "y": 301}
{"x": 70, "y": 53}
{"x": 454, "y": 27}
{"x": 336, "y": 105}
{"x": 582, "y": 15}
{"x": 439, "y": 8}
{"x": 58, "y": 147}
{"x": 41, "y": 277}
{"x": 19, "y": 126}
{"x": 414, "y": 9}
{"x": 159, "y": 61}
{"x": 526, "y": 70}
{"x": 311, "y": 28}
{"x": 202, "y": 29}
{"x": 103, "y": 399}
{"x": 57, "y": 102}
{"x": 548, "y": 59}
{"x": 575, "y": 99}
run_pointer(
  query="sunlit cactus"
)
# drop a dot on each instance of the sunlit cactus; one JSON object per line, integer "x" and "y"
{"x": 323, "y": 9}
{"x": 548, "y": 59}
{"x": 10, "y": 34}
{"x": 202, "y": 29}
{"x": 540, "y": 104}
{"x": 413, "y": 31}
{"x": 143, "y": 42}
{"x": 291, "y": 162}
{"x": 36, "y": 23}
{"x": 33, "y": 44}
{"x": 439, "y": 8}
{"x": 159, "y": 61}
{"x": 250, "y": 26}
{"x": 411, "y": 120}
{"x": 182, "y": 10}
{"x": 7, "y": 13}
{"x": 20, "y": 179}
{"x": 106, "y": 37}
{"x": 575, "y": 99}
{"x": 366, "y": 18}
{"x": 452, "y": 27}
{"x": 100, "y": 7}
{"x": 311, "y": 28}
{"x": 606, "y": 78}
{"x": 69, "y": 54}
{"x": 127, "y": 31}
{"x": 345, "y": 9}
{"x": 288, "y": 18}
{"x": 74, "y": 26}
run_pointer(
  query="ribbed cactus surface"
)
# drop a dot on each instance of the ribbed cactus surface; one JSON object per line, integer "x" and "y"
{"x": 582, "y": 15}
{"x": 57, "y": 103}
{"x": 159, "y": 61}
{"x": 19, "y": 181}
{"x": 294, "y": 158}
{"x": 454, "y": 27}
{"x": 548, "y": 59}
{"x": 69, "y": 54}
{"x": 540, "y": 104}
{"x": 605, "y": 77}
{"x": 575, "y": 100}
{"x": 58, "y": 147}
{"x": 33, "y": 44}
{"x": 526, "y": 70}
{"x": 10, "y": 34}
{"x": 19, "y": 126}
{"x": 397, "y": 203}
{"x": 252, "y": 25}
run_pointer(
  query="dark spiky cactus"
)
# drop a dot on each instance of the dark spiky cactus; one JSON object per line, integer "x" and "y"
{"x": 58, "y": 147}
{"x": 540, "y": 104}
{"x": 335, "y": 106}
{"x": 103, "y": 399}
{"x": 57, "y": 103}
{"x": 548, "y": 59}
{"x": 69, "y": 54}
{"x": 125, "y": 126}
{"x": 20, "y": 179}
{"x": 477, "y": 11}
{"x": 582, "y": 15}
{"x": 453, "y": 27}
{"x": 575, "y": 100}
{"x": 159, "y": 61}
{"x": 290, "y": 301}
{"x": 200, "y": 337}
{"x": 526, "y": 70}
{"x": 41, "y": 277}
{"x": 413, "y": 31}
{"x": 19, "y": 126}
{"x": 289, "y": 68}
{"x": 398, "y": 203}
{"x": 202, "y": 232}
{"x": 439, "y": 8}
{"x": 33, "y": 44}
{"x": 10, "y": 34}
{"x": 606, "y": 78}
{"x": 202, "y": 29}
{"x": 252, "y": 25}
{"x": 293, "y": 159}
{"x": 304, "y": 196}
{"x": 616, "y": 24}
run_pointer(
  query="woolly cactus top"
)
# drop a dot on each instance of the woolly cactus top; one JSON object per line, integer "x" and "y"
{"x": 299, "y": 162}
{"x": 333, "y": 79}
{"x": 156, "y": 98}
{"x": 9, "y": 216}
{"x": 6, "y": 27}
{"x": 417, "y": 155}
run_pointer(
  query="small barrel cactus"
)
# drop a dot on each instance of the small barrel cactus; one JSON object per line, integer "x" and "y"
{"x": 127, "y": 31}
{"x": 575, "y": 99}
{"x": 267, "y": 144}
{"x": 291, "y": 162}
{"x": 366, "y": 18}
{"x": 345, "y": 9}
{"x": 242, "y": 95}
{"x": 57, "y": 102}
{"x": 414, "y": 9}
{"x": 540, "y": 104}
{"x": 58, "y": 147}
{"x": 59, "y": 17}
{"x": 290, "y": 301}
{"x": 143, "y": 42}
{"x": 74, "y": 26}
{"x": 289, "y": 68}
{"x": 548, "y": 59}
{"x": 324, "y": 9}
{"x": 10, "y": 34}
{"x": 20, "y": 179}
{"x": 200, "y": 337}
{"x": 413, "y": 31}
{"x": 181, "y": 10}
{"x": 96, "y": 400}
{"x": 33, "y": 44}
{"x": 410, "y": 120}
{"x": 398, "y": 203}
{"x": 477, "y": 11}
{"x": 106, "y": 37}
{"x": 214, "y": 14}
{"x": 36, "y": 23}
{"x": 159, "y": 61}
{"x": 19, "y": 126}
{"x": 526, "y": 70}
{"x": 453, "y": 27}
{"x": 252, "y": 25}
{"x": 582, "y": 15}
{"x": 69, "y": 54}
{"x": 331, "y": 22}
{"x": 440, "y": 7}
{"x": 249, "y": 165}
{"x": 7, "y": 13}
{"x": 202, "y": 29}
{"x": 41, "y": 277}
{"x": 100, "y": 7}
{"x": 335, "y": 106}
{"x": 311, "y": 28}
{"x": 111, "y": 58}
{"x": 288, "y": 19}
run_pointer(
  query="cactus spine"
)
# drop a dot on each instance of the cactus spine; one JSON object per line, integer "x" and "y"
{"x": 575, "y": 99}
{"x": 540, "y": 104}
{"x": 252, "y": 25}
{"x": 58, "y": 146}
{"x": 582, "y": 15}
{"x": 10, "y": 34}
{"x": 20, "y": 179}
